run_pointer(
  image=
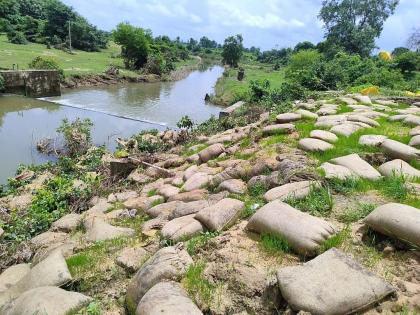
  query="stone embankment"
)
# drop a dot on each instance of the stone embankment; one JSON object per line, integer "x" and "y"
{"x": 240, "y": 188}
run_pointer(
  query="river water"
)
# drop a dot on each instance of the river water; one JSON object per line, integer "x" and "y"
{"x": 116, "y": 111}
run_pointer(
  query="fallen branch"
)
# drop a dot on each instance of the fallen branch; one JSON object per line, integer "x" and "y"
{"x": 164, "y": 171}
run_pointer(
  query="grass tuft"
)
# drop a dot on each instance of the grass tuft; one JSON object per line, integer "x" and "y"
{"x": 198, "y": 288}
{"x": 274, "y": 244}
{"x": 199, "y": 241}
{"x": 319, "y": 202}
{"x": 353, "y": 215}
{"x": 335, "y": 241}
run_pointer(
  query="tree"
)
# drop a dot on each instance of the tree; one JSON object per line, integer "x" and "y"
{"x": 303, "y": 46}
{"x": 399, "y": 50}
{"x": 408, "y": 62}
{"x": 414, "y": 40}
{"x": 134, "y": 44}
{"x": 232, "y": 50}
{"x": 354, "y": 25}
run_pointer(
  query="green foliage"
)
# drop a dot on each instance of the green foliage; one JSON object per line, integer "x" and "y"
{"x": 1, "y": 83}
{"x": 353, "y": 215}
{"x": 94, "y": 308}
{"x": 274, "y": 244}
{"x": 16, "y": 37}
{"x": 335, "y": 241}
{"x": 305, "y": 45}
{"x": 275, "y": 56}
{"x": 354, "y": 25}
{"x": 232, "y": 50}
{"x": 48, "y": 204}
{"x": 46, "y": 63}
{"x": 199, "y": 241}
{"x": 305, "y": 68}
{"x": 185, "y": 123}
{"x": 145, "y": 144}
{"x": 77, "y": 135}
{"x": 407, "y": 62}
{"x": 198, "y": 287}
{"x": 134, "y": 43}
{"x": 48, "y": 22}
{"x": 319, "y": 202}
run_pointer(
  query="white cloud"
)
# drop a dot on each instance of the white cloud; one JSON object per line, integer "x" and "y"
{"x": 172, "y": 9}
{"x": 263, "y": 23}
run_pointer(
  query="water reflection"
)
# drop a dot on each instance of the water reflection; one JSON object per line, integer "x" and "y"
{"x": 23, "y": 122}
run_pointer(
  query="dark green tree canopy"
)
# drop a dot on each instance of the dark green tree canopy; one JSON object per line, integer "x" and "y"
{"x": 303, "y": 45}
{"x": 134, "y": 44}
{"x": 232, "y": 50}
{"x": 354, "y": 24}
{"x": 47, "y": 21}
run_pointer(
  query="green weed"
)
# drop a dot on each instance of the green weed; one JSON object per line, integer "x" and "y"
{"x": 319, "y": 202}
{"x": 274, "y": 244}
{"x": 199, "y": 241}
{"x": 335, "y": 241}
{"x": 198, "y": 288}
{"x": 353, "y": 215}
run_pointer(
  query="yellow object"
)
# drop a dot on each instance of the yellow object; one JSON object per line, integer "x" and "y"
{"x": 408, "y": 93}
{"x": 121, "y": 154}
{"x": 371, "y": 90}
{"x": 385, "y": 56}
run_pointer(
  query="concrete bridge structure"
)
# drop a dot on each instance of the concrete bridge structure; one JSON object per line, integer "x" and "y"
{"x": 32, "y": 83}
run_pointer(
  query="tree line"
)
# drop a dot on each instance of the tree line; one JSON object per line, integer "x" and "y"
{"x": 48, "y": 22}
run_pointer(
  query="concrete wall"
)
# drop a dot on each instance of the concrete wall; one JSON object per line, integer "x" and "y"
{"x": 32, "y": 83}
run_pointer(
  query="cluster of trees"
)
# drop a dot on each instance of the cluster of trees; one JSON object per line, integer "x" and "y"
{"x": 48, "y": 22}
{"x": 141, "y": 50}
{"x": 344, "y": 59}
{"x": 203, "y": 44}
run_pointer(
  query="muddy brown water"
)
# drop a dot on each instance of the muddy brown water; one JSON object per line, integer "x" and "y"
{"x": 116, "y": 111}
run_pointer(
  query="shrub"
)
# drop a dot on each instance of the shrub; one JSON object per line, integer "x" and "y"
{"x": 383, "y": 77}
{"x": 185, "y": 123}
{"x": 408, "y": 62}
{"x": 16, "y": 37}
{"x": 1, "y": 83}
{"x": 155, "y": 64}
{"x": 46, "y": 63}
{"x": 48, "y": 205}
{"x": 77, "y": 135}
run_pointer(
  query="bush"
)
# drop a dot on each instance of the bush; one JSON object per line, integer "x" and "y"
{"x": 1, "y": 83}
{"x": 48, "y": 205}
{"x": 46, "y": 63}
{"x": 155, "y": 64}
{"x": 16, "y": 37}
{"x": 408, "y": 62}
{"x": 383, "y": 77}
{"x": 77, "y": 135}
{"x": 305, "y": 68}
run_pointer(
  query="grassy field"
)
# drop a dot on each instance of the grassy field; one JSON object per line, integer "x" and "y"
{"x": 229, "y": 90}
{"x": 80, "y": 62}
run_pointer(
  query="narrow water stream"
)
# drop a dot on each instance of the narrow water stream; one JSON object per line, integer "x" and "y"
{"x": 116, "y": 111}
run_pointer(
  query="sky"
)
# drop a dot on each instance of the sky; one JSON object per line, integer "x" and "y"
{"x": 263, "y": 23}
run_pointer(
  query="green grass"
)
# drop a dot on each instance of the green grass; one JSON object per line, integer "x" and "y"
{"x": 253, "y": 200}
{"x": 274, "y": 244}
{"x": 395, "y": 188}
{"x": 87, "y": 267}
{"x": 335, "y": 241}
{"x": 229, "y": 90}
{"x": 152, "y": 192}
{"x": 319, "y": 202}
{"x": 348, "y": 145}
{"x": 199, "y": 241}
{"x": 80, "y": 62}
{"x": 198, "y": 288}
{"x": 356, "y": 214}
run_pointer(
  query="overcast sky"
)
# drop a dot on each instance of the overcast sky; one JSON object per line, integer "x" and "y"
{"x": 263, "y": 23}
